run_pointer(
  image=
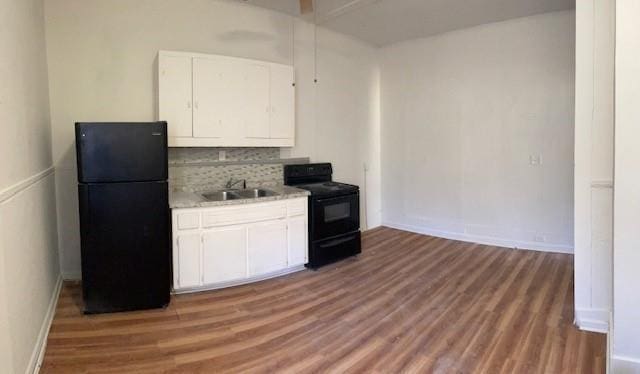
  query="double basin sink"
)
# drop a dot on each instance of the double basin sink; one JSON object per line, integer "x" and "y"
{"x": 249, "y": 193}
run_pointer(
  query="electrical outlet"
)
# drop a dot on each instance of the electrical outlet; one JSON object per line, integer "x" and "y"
{"x": 222, "y": 155}
{"x": 539, "y": 238}
{"x": 535, "y": 160}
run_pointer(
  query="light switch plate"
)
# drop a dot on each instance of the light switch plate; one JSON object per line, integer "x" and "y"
{"x": 535, "y": 160}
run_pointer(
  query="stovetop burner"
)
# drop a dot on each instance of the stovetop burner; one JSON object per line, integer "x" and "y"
{"x": 316, "y": 178}
{"x": 332, "y": 185}
{"x": 328, "y": 188}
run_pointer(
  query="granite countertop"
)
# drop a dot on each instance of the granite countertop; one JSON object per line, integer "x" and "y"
{"x": 182, "y": 199}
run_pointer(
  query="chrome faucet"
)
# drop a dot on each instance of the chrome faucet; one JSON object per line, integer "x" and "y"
{"x": 231, "y": 182}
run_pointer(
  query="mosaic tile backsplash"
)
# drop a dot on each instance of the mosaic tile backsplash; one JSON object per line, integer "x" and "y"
{"x": 179, "y": 156}
{"x": 200, "y": 169}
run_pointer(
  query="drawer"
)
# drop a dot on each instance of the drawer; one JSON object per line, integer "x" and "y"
{"x": 297, "y": 207}
{"x": 188, "y": 221}
{"x": 236, "y": 215}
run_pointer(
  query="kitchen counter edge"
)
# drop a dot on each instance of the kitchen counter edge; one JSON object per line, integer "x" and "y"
{"x": 182, "y": 199}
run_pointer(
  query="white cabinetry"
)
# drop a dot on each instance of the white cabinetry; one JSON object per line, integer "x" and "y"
{"x": 267, "y": 247}
{"x": 257, "y": 101}
{"x": 175, "y": 97}
{"x": 282, "y": 109}
{"x": 229, "y": 245}
{"x": 211, "y": 100}
{"x": 297, "y": 241}
{"x": 223, "y": 254}
{"x": 217, "y": 98}
{"x": 187, "y": 259}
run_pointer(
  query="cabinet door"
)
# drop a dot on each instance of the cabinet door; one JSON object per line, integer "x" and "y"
{"x": 188, "y": 266}
{"x": 256, "y": 101}
{"x": 297, "y": 237}
{"x": 218, "y": 87}
{"x": 175, "y": 94}
{"x": 282, "y": 95}
{"x": 224, "y": 254}
{"x": 267, "y": 247}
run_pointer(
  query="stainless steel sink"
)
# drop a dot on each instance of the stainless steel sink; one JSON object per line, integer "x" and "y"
{"x": 251, "y": 193}
{"x": 221, "y": 195}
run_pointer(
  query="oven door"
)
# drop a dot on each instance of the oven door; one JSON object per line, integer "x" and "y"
{"x": 333, "y": 216}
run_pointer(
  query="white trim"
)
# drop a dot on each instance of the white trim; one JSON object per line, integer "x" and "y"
{"x": 71, "y": 275}
{"x": 594, "y": 320}
{"x": 486, "y": 240}
{"x": 610, "y": 345}
{"x": 12, "y": 191}
{"x": 41, "y": 344}
{"x": 213, "y": 56}
{"x": 602, "y": 184}
{"x": 175, "y": 141}
{"x": 625, "y": 365}
{"x": 258, "y": 278}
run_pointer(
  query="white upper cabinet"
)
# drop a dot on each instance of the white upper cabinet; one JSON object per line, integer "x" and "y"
{"x": 256, "y": 101}
{"x": 282, "y": 102}
{"x": 211, "y": 100}
{"x": 217, "y": 98}
{"x": 175, "y": 96}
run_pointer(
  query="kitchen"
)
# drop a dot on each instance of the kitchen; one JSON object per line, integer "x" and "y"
{"x": 342, "y": 180}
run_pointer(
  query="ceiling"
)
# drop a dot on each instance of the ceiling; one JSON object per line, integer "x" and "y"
{"x": 383, "y": 22}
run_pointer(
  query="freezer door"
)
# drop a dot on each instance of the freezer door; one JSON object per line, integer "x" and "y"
{"x": 126, "y": 251}
{"x": 121, "y": 152}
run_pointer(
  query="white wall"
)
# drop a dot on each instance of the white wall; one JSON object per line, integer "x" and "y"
{"x": 462, "y": 113}
{"x": 101, "y": 67}
{"x": 626, "y": 239}
{"x": 593, "y": 186}
{"x": 338, "y": 117}
{"x": 28, "y": 252}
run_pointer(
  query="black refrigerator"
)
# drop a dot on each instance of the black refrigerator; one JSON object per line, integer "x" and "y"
{"x": 124, "y": 215}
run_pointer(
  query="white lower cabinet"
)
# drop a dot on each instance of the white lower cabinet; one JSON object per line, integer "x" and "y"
{"x": 267, "y": 247}
{"x": 188, "y": 261}
{"x": 223, "y": 254}
{"x": 297, "y": 241}
{"x": 228, "y": 245}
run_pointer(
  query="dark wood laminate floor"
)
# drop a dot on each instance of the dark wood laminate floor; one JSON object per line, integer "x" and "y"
{"x": 408, "y": 304}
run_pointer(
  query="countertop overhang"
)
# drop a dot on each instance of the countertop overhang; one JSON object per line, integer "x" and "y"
{"x": 183, "y": 199}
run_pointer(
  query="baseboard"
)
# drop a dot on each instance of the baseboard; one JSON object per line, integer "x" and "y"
{"x": 41, "y": 344}
{"x": 507, "y": 243}
{"x": 625, "y": 365}
{"x": 594, "y": 320}
{"x": 72, "y": 275}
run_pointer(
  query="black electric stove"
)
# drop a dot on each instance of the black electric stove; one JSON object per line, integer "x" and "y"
{"x": 329, "y": 188}
{"x": 334, "y": 213}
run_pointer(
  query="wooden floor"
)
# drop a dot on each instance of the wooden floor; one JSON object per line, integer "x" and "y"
{"x": 408, "y": 304}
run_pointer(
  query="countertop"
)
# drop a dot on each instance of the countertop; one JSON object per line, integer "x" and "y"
{"x": 181, "y": 199}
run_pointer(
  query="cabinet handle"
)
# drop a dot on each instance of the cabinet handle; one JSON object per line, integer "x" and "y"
{"x": 189, "y": 104}
{"x": 195, "y": 103}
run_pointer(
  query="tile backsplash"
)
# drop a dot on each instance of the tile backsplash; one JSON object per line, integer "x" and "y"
{"x": 201, "y": 169}
{"x": 178, "y": 156}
